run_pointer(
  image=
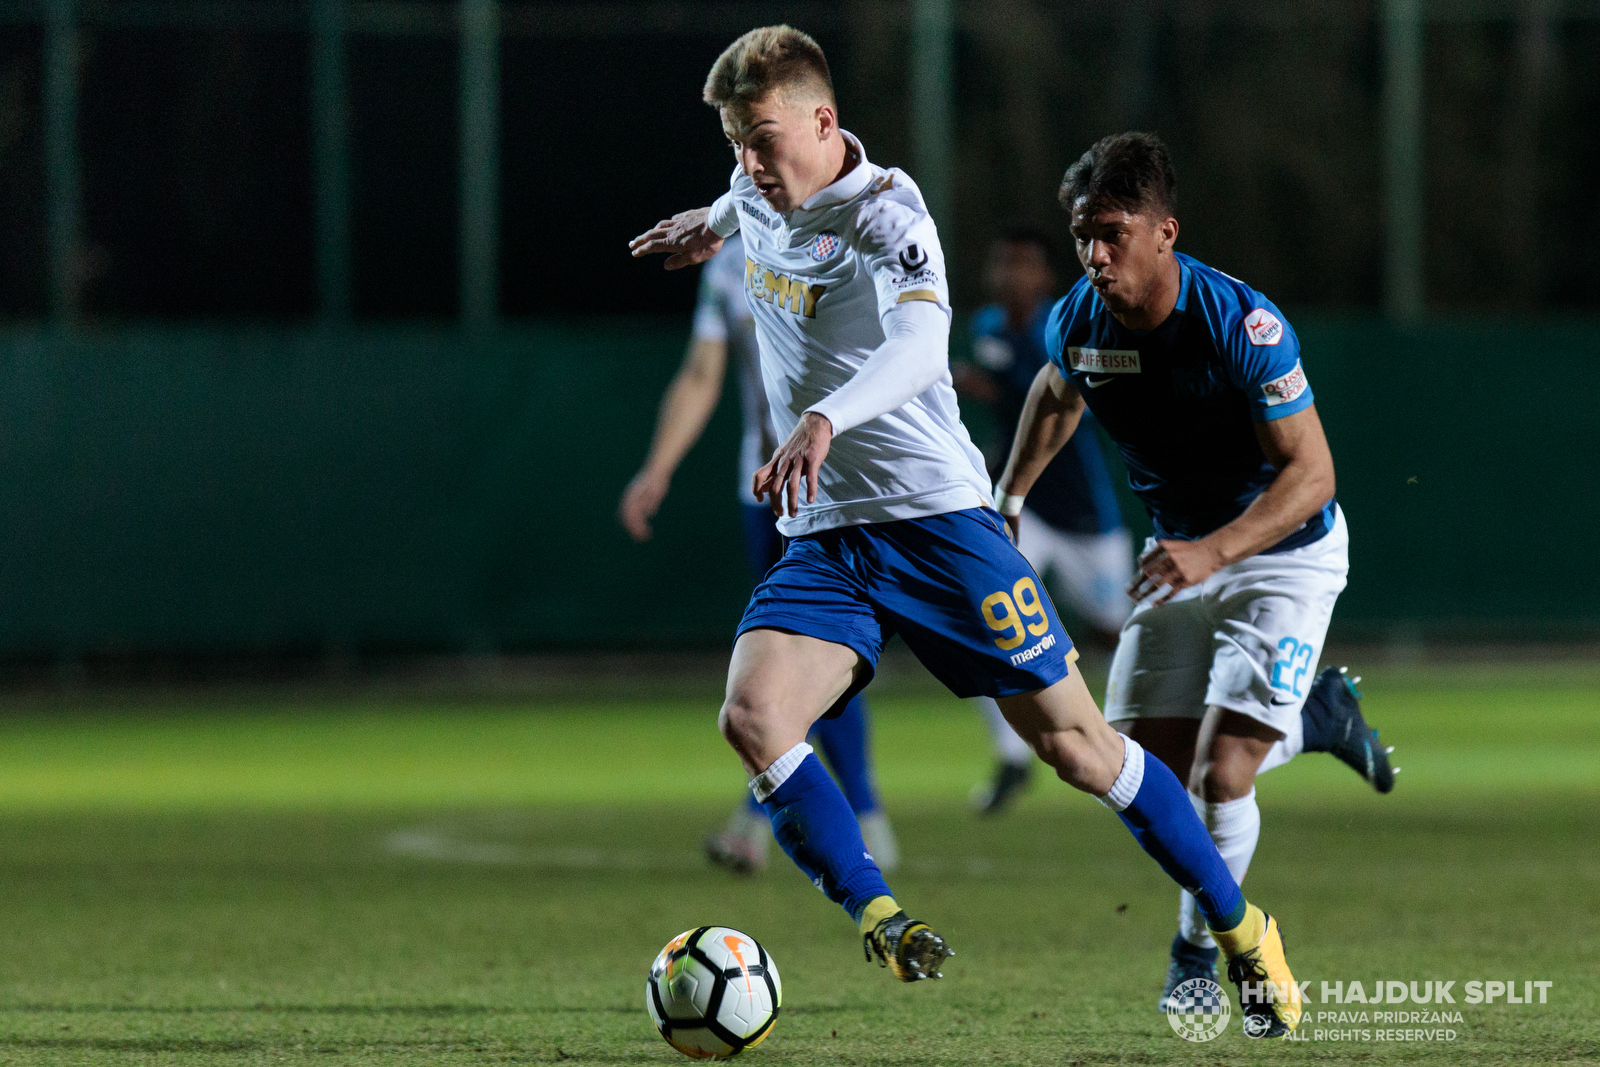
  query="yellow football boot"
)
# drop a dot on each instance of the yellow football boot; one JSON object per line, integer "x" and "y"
{"x": 1268, "y": 996}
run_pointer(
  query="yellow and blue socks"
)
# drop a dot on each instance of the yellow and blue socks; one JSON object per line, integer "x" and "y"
{"x": 1243, "y": 935}
{"x": 1151, "y": 803}
{"x": 813, "y": 823}
{"x": 1235, "y": 827}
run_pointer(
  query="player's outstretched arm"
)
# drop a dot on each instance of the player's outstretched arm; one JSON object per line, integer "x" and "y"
{"x": 1050, "y": 415}
{"x": 685, "y": 408}
{"x": 1296, "y": 445}
{"x": 686, "y": 237}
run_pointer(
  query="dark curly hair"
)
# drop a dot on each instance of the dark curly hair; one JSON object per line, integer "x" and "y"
{"x": 1127, "y": 171}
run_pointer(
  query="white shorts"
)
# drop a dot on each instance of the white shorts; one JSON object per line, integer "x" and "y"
{"x": 1092, "y": 570}
{"x": 1247, "y": 639}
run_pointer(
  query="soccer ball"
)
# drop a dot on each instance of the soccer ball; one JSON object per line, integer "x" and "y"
{"x": 713, "y": 992}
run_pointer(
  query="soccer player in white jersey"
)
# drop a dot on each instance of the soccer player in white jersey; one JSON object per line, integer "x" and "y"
{"x": 724, "y": 335}
{"x": 1197, "y": 379}
{"x": 887, "y": 509}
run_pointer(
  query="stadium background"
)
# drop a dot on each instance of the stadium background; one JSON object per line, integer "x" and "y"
{"x": 340, "y": 722}
{"x": 319, "y": 331}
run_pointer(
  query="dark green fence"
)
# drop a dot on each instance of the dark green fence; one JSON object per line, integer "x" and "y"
{"x": 203, "y": 490}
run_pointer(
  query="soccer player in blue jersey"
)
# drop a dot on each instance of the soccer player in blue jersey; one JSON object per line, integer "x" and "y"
{"x": 888, "y": 514}
{"x": 724, "y": 334}
{"x": 1072, "y": 530}
{"x": 1197, "y": 379}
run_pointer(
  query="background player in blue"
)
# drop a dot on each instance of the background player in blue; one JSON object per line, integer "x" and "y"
{"x": 886, "y": 505}
{"x": 1197, "y": 379}
{"x": 1072, "y": 530}
{"x": 724, "y": 334}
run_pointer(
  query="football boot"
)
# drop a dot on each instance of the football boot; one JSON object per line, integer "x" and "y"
{"x": 741, "y": 845}
{"x": 998, "y": 794}
{"x": 910, "y": 949}
{"x": 1334, "y": 724}
{"x": 1268, "y": 997}
{"x": 1188, "y": 962}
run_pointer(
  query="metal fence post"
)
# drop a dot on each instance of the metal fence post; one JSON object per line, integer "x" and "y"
{"x": 932, "y": 106}
{"x": 480, "y": 162}
{"x": 1403, "y": 278}
{"x": 330, "y": 121}
{"x": 63, "y": 175}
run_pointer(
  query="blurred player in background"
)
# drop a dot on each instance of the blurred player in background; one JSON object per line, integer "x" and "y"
{"x": 724, "y": 333}
{"x": 1071, "y": 529}
{"x": 1197, "y": 379}
{"x": 887, "y": 508}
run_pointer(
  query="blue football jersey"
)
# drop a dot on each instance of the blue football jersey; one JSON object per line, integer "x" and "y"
{"x": 1180, "y": 401}
{"x": 1074, "y": 493}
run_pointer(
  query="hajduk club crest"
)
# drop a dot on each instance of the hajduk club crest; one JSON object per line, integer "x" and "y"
{"x": 824, "y": 245}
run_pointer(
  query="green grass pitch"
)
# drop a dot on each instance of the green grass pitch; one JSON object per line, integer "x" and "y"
{"x": 366, "y": 880}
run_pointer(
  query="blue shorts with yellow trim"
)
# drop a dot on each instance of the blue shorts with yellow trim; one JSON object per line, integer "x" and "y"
{"x": 953, "y": 586}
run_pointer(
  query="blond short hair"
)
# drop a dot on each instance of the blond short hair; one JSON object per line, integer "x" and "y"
{"x": 767, "y": 60}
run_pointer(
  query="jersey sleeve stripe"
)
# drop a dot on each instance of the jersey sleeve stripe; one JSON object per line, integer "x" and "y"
{"x": 918, "y": 294}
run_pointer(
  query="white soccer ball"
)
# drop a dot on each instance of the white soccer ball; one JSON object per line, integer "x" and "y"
{"x": 713, "y": 992}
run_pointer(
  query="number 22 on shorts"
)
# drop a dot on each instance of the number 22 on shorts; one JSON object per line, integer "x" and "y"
{"x": 1021, "y": 603}
{"x": 1293, "y": 651}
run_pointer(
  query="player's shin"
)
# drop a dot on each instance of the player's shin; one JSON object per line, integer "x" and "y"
{"x": 1156, "y": 808}
{"x": 813, "y": 823}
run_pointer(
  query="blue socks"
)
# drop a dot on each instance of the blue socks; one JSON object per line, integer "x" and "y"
{"x": 1156, "y": 808}
{"x": 846, "y": 745}
{"x": 814, "y": 824}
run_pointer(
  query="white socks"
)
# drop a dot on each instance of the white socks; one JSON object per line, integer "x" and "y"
{"x": 767, "y": 782}
{"x": 1126, "y": 787}
{"x": 1007, "y": 743}
{"x": 1235, "y": 826}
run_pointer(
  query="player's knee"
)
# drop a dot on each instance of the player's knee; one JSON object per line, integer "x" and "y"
{"x": 1222, "y": 780}
{"x": 744, "y": 719}
{"x": 736, "y": 720}
{"x": 1076, "y": 761}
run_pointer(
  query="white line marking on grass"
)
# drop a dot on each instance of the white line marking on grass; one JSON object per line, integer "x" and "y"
{"x": 433, "y": 843}
{"x": 444, "y": 844}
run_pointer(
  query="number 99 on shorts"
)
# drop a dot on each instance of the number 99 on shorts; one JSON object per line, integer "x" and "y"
{"x": 1008, "y": 613}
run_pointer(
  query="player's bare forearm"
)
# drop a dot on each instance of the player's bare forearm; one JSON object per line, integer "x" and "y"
{"x": 1050, "y": 415}
{"x": 685, "y": 408}
{"x": 687, "y": 404}
{"x": 1304, "y": 483}
{"x": 687, "y": 238}
{"x": 1297, "y": 446}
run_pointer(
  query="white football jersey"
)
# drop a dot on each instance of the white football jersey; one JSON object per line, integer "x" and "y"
{"x": 721, "y": 313}
{"x": 817, "y": 282}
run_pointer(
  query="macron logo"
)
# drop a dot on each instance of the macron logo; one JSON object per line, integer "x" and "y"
{"x": 1263, "y": 327}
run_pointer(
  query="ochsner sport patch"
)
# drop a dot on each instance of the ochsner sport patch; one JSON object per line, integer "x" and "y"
{"x": 1285, "y": 389}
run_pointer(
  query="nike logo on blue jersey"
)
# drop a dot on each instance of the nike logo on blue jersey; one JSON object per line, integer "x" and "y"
{"x": 1092, "y": 384}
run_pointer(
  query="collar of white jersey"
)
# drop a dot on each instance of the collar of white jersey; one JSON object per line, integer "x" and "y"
{"x": 847, "y": 187}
